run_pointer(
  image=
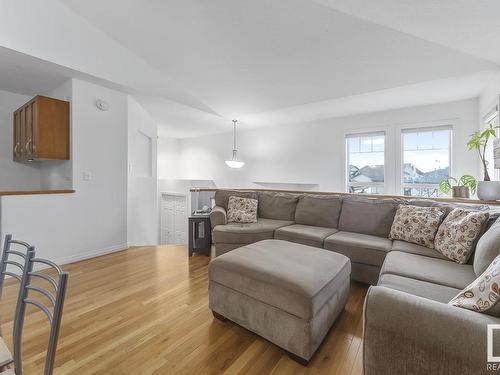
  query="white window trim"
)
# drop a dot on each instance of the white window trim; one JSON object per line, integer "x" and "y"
{"x": 422, "y": 128}
{"x": 486, "y": 119}
{"x": 394, "y": 150}
{"x": 365, "y": 133}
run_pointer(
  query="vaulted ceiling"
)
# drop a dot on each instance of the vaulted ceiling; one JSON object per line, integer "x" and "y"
{"x": 271, "y": 61}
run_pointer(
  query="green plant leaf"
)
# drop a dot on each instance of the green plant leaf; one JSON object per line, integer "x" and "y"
{"x": 445, "y": 185}
{"x": 469, "y": 181}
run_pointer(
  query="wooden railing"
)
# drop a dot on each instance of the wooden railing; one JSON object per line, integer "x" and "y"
{"x": 374, "y": 196}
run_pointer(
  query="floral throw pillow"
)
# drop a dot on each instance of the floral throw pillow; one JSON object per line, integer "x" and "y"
{"x": 242, "y": 210}
{"x": 457, "y": 235}
{"x": 482, "y": 294}
{"x": 416, "y": 224}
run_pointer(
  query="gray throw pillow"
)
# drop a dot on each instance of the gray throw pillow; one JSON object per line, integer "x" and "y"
{"x": 487, "y": 248}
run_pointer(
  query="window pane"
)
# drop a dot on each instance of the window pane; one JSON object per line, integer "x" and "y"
{"x": 426, "y": 156}
{"x": 426, "y": 161}
{"x": 365, "y": 163}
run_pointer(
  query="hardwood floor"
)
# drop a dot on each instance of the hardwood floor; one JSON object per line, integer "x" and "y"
{"x": 145, "y": 311}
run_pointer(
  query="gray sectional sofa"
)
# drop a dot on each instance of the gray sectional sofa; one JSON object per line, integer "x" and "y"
{"x": 355, "y": 226}
{"x": 409, "y": 327}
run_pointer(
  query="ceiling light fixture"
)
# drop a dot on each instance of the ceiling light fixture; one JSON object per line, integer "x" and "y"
{"x": 234, "y": 162}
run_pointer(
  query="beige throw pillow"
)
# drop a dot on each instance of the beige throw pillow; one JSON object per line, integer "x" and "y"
{"x": 242, "y": 210}
{"x": 416, "y": 224}
{"x": 482, "y": 294}
{"x": 457, "y": 235}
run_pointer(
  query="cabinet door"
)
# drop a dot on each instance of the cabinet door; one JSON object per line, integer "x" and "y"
{"x": 17, "y": 136}
{"x": 28, "y": 132}
{"x": 22, "y": 136}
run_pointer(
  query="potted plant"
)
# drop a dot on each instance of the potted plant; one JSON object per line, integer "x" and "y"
{"x": 463, "y": 187}
{"x": 486, "y": 189}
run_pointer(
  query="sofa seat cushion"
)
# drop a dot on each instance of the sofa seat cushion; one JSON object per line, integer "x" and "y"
{"x": 360, "y": 248}
{"x": 419, "y": 288}
{"x": 294, "y": 278}
{"x": 407, "y": 247}
{"x": 304, "y": 234}
{"x": 263, "y": 229}
{"x": 437, "y": 271}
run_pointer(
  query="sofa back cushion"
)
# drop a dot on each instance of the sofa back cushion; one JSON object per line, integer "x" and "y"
{"x": 318, "y": 210}
{"x": 367, "y": 216}
{"x": 487, "y": 249}
{"x": 222, "y": 196}
{"x": 277, "y": 206}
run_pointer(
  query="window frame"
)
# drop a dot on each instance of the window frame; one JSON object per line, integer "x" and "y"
{"x": 358, "y": 134}
{"x": 401, "y": 159}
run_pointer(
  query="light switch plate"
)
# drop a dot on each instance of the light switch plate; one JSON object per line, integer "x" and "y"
{"x": 87, "y": 176}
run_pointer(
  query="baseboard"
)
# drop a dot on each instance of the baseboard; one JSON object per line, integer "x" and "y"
{"x": 78, "y": 257}
{"x": 90, "y": 254}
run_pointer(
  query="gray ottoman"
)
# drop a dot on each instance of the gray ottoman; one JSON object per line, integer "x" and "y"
{"x": 288, "y": 293}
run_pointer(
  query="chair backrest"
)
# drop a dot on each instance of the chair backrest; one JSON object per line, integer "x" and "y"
{"x": 10, "y": 264}
{"x": 53, "y": 310}
{"x": 6, "y": 259}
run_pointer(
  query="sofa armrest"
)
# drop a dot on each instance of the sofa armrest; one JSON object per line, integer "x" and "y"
{"x": 218, "y": 216}
{"x": 406, "y": 334}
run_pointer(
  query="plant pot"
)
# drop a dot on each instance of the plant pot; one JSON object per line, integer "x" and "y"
{"x": 488, "y": 190}
{"x": 460, "y": 192}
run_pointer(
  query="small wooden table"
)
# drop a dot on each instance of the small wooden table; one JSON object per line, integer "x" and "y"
{"x": 200, "y": 234}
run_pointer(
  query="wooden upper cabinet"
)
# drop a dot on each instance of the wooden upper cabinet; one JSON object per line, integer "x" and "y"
{"x": 41, "y": 130}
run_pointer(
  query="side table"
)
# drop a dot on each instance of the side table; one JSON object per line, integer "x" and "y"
{"x": 200, "y": 234}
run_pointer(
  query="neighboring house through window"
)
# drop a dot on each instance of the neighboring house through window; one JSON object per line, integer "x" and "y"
{"x": 426, "y": 160}
{"x": 365, "y": 171}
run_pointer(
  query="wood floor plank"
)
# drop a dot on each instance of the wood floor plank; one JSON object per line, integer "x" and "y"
{"x": 145, "y": 311}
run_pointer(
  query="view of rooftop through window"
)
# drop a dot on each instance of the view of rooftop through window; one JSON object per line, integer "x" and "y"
{"x": 365, "y": 158}
{"x": 426, "y": 161}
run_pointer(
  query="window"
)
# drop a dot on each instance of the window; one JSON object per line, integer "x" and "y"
{"x": 492, "y": 119}
{"x": 365, "y": 172}
{"x": 426, "y": 160}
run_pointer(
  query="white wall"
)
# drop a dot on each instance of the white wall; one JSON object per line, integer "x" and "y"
{"x": 142, "y": 222}
{"x": 313, "y": 153}
{"x": 14, "y": 175}
{"x": 168, "y": 150}
{"x": 489, "y": 97}
{"x": 93, "y": 220}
